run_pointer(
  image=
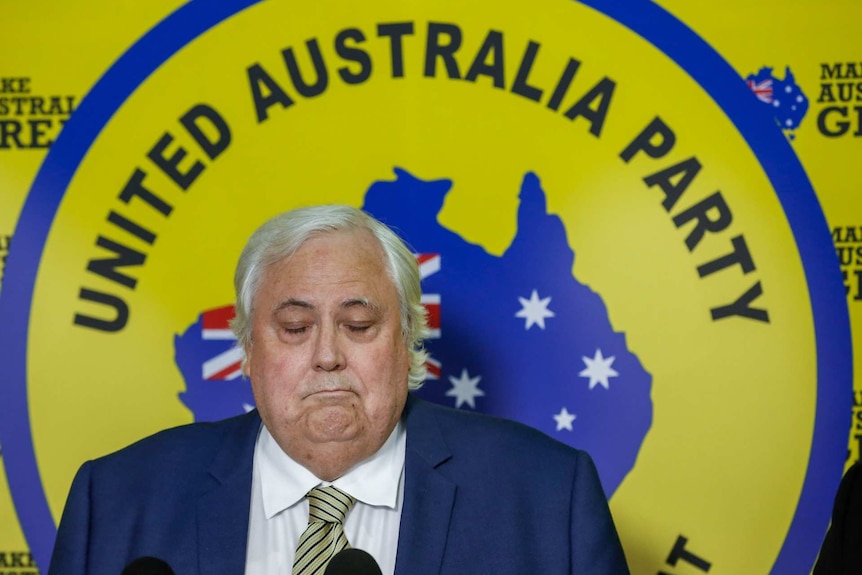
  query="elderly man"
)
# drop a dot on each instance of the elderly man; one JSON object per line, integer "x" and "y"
{"x": 337, "y": 453}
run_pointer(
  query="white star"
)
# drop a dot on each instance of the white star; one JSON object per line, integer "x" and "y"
{"x": 598, "y": 369}
{"x": 564, "y": 419}
{"x": 465, "y": 389}
{"x": 534, "y": 310}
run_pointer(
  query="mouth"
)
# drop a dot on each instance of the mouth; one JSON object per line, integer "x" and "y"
{"x": 330, "y": 393}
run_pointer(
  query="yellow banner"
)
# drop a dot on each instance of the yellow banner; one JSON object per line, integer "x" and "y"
{"x": 660, "y": 190}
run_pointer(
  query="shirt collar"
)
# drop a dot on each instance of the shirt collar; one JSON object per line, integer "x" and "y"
{"x": 284, "y": 482}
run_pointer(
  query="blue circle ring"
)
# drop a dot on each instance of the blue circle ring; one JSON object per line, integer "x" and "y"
{"x": 654, "y": 24}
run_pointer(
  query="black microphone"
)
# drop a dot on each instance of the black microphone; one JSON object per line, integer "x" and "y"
{"x": 352, "y": 562}
{"x": 148, "y": 566}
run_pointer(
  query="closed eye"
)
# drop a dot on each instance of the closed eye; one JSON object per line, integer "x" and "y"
{"x": 295, "y": 330}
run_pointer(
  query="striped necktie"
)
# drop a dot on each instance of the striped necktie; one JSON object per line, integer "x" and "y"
{"x": 324, "y": 536}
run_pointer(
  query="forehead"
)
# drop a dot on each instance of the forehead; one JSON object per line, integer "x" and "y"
{"x": 343, "y": 258}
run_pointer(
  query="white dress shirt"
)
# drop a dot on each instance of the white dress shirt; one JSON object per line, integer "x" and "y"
{"x": 279, "y": 509}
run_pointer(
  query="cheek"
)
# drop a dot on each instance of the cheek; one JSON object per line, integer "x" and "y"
{"x": 270, "y": 375}
{"x": 393, "y": 378}
{"x": 269, "y": 357}
{"x": 403, "y": 360}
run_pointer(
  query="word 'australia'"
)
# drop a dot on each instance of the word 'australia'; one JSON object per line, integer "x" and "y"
{"x": 123, "y": 241}
{"x": 708, "y": 217}
{"x": 438, "y": 50}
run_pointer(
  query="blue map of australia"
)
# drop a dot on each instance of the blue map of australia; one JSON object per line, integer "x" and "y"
{"x": 516, "y": 336}
{"x": 783, "y": 98}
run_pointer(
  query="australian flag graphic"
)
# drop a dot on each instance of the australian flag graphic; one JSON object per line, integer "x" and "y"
{"x": 515, "y": 335}
{"x": 784, "y": 98}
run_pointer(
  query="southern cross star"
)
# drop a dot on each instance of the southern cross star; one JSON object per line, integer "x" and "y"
{"x": 465, "y": 389}
{"x": 564, "y": 419}
{"x": 598, "y": 369}
{"x": 534, "y": 310}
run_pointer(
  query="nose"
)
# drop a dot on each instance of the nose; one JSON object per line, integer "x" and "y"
{"x": 328, "y": 355}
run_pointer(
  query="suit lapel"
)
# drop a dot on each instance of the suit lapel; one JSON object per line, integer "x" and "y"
{"x": 223, "y": 509}
{"x": 428, "y": 495}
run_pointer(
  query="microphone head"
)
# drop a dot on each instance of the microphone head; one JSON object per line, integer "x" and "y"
{"x": 148, "y": 566}
{"x": 352, "y": 562}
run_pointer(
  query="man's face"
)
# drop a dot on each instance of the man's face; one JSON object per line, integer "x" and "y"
{"x": 327, "y": 361}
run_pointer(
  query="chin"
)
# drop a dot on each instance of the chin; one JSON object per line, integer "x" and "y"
{"x": 334, "y": 423}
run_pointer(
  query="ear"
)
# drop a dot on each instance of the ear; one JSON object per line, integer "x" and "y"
{"x": 244, "y": 366}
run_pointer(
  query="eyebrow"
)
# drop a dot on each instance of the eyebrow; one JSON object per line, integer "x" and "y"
{"x": 359, "y": 302}
{"x": 347, "y": 304}
{"x": 293, "y": 302}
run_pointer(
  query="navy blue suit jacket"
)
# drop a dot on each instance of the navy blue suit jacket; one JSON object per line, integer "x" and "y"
{"x": 481, "y": 495}
{"x": 841, "y": 552}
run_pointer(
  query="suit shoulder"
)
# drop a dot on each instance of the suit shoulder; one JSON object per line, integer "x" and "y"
{"x": 465, "y": 430}
{"x": 183, "y": 444}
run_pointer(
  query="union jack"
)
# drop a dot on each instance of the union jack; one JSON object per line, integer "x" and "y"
{"x": 215, "y": 325}
{"x": 429, "y": 264}
{"x": 762, "y": 89}
{"x": 434, "y": 368}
